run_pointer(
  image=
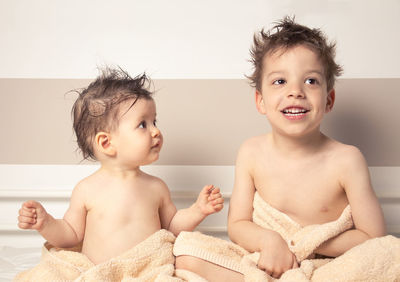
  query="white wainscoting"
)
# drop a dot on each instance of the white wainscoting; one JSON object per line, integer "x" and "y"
{"x": 52, "y": 185}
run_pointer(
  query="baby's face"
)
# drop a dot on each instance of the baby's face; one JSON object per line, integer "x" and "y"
{"x": 137, "y": 139}
{"x": 293, "y": 92}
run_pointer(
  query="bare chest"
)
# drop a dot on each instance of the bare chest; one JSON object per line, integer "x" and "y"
{"x": 124, "y": 208}
{"x": 308, "y": 193}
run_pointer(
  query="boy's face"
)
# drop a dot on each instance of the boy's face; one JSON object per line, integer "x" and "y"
{"x": 294, "y": 94}
{"x": 137, "y": 140}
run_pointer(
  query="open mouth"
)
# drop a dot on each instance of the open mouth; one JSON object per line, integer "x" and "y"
{"x": 294, "y": 111}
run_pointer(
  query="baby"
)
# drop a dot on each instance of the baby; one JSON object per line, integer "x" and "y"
{"x": 119, "y": 205}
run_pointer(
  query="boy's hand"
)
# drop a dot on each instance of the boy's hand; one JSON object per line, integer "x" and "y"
{"x": 32, "y": 215}
{"x": 275, "y": 257}
{"x": 209, "y": 200}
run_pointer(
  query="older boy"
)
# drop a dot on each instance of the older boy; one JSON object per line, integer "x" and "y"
{"x": 119, "y": 205}
{"x": 300, "y": 177}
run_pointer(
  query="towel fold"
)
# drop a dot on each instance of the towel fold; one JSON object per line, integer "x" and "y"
{"x": 375, "y": 260}
{"x": 150, "y": 260}
{"x": 302, "y": 241}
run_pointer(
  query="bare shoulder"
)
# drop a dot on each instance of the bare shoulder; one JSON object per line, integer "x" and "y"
{"x": 253, "y": 146}
{"x": 90, "y": 182}
{"x": 155, "y": 183}
{"x": 350, "y": 166}
{"x": 158, "y": 189}
{"x": 346, "y": 155}
{"x": 85, "y": 187}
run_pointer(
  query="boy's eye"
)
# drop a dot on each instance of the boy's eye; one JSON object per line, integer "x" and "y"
{"x": 278, "y": 81}
{"x": 155, "y": 123}
{"x": 142, "y": 124}
{"x": 311, "y": 81}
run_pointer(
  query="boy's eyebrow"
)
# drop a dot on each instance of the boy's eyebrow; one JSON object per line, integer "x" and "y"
{"x": 278, "y": 72}
{"x": 274, "y": 73}
{"x": 316, "y": 71}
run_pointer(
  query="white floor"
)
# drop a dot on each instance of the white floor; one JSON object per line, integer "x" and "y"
{"x": 14, "y": 260}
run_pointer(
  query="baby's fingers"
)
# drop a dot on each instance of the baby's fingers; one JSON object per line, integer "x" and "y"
{"x": 218, "y": 207}
{"x": 215, "y": 190}
{"x": 215, "y": 194}
{"x": 218, "y": 201}
{"x": 27, "y": 212}
{"x": 31, "y": 204}
{"x": 26, "y": 222}
{"x": 218, "y": 204}
{"x": 36, "y": 207}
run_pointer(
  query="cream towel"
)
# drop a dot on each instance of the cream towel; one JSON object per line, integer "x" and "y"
{"x": 302, "y": 241}
{"x": 374, "y": 260}
{"x": 150, "y": 260}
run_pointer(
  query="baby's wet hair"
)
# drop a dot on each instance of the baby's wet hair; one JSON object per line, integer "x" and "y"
{"x": 97, "y": 106}
{"x": 287, "y": 34}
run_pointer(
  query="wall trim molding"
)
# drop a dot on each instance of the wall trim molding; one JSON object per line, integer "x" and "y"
{"x": 53, "y": 184}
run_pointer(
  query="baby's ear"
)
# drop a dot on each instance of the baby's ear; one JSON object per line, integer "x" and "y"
{"x": 260, "y": 103}
{"x": 330, "y": 100}
{"x": 103, "y": 144}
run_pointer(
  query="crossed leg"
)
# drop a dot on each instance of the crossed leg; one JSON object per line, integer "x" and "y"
{"x": 208, "y": 270}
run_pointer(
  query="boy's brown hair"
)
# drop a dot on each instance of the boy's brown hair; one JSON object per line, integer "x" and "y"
{"x": 289, "y": 34}
{"x": 97, "y": 107}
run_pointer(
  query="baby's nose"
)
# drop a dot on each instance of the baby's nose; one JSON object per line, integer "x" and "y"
{"x": 155, "y": 131}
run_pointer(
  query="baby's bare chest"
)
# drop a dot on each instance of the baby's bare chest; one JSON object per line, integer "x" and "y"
{"x": 122, "y": 207}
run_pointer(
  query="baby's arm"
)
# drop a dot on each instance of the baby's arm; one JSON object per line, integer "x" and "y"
{"x": 275, "y": 256}
{"x": 366, "y": 211}
{"x": 66, "y": 232}
{"x": 209, "y": 201}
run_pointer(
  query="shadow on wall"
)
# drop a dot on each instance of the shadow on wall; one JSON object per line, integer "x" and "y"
{"x": 366, "y": 115}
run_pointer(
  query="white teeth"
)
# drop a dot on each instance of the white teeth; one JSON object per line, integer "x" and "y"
{"x": 292, "y": 111}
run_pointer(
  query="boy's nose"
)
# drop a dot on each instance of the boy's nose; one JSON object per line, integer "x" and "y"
{"x": 296, "y": 92}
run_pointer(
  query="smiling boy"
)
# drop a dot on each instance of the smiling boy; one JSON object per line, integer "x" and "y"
{"x": 293, "y": 180}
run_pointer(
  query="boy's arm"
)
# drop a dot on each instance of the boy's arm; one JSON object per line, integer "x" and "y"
{"x": 66, "y": 232}
{"x": 208, "y": 202}
{"x": 366, "y": 211}
{"x": 275, "y": 256}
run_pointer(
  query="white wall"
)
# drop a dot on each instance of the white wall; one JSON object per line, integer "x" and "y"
{"x": 184, "y": 39}
{"x": 52, "y": 186}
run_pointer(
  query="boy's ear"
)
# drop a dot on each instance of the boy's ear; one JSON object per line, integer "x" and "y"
{"x": 330, "y": 101}
{"x": 103, "y": 144}
{"x": 260, "y": 103}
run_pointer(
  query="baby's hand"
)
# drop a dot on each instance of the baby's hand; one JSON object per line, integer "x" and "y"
{"x": 276, "y": 258}
{"x": 210, "y": 200}
{"x": 32, "y": 215}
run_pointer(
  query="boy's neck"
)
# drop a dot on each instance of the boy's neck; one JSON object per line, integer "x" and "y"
{"x": 298, "y": 146}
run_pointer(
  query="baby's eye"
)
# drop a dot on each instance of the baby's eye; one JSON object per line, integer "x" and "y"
{"x": 311, "y": 81}
{"x": 142, "y": 124}
{"x": 278, "y": 81}
{"x": 155, "y": 123}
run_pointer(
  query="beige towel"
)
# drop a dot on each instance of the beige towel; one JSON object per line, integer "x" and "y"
{"x": 374, "y": 260}
{"x": 150, "y": 260}
{"x": 302, "y": 241}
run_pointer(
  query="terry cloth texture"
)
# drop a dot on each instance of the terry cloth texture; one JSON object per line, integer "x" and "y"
{"x": 375, "y": 260}
{"x": 150, "y": 260}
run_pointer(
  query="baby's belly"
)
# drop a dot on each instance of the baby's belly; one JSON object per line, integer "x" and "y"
{"x": 101, "y": 244}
